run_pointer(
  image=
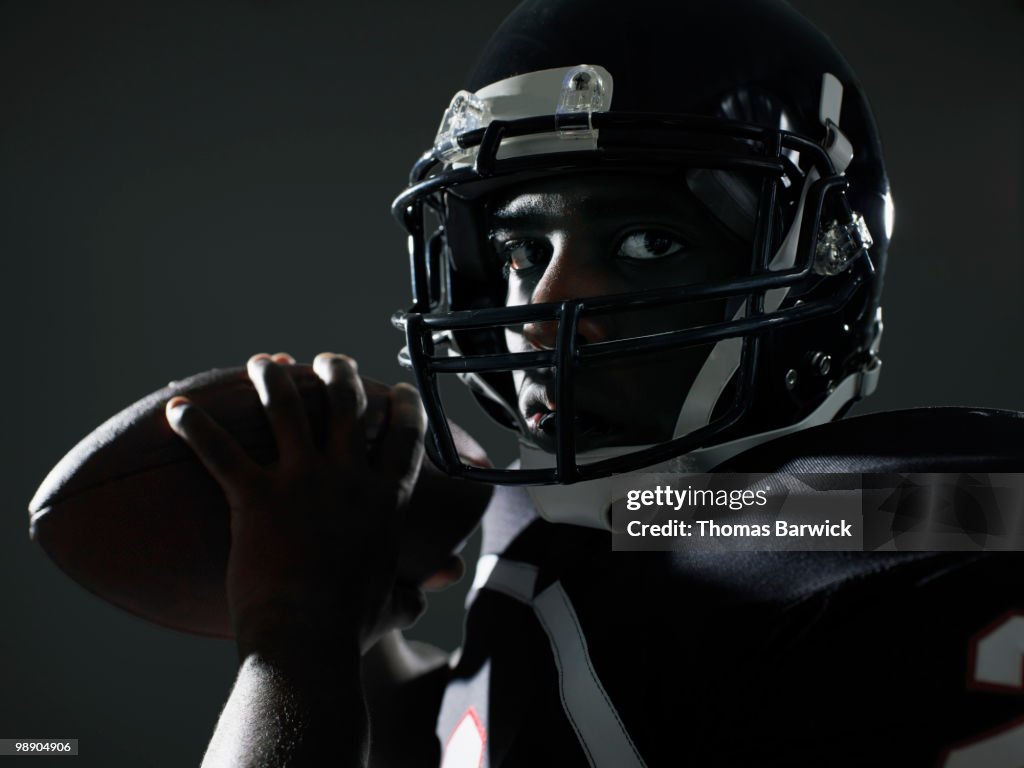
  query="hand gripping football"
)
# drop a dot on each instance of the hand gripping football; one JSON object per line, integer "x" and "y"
{"x": 130, "y": 513}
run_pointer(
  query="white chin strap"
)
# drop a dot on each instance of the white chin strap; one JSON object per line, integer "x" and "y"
{"x": 588, "y": 503}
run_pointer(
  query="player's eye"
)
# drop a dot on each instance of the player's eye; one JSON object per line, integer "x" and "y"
{"x": 521, "y": 256}
{"x": 650, "y": 244}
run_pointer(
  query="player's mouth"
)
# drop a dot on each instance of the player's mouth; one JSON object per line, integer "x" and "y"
{"x": 541, "y": 418}
{"x": 542, "y": 422}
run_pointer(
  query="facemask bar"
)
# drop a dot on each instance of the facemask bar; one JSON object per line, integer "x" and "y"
{"x": 424, "y": 330}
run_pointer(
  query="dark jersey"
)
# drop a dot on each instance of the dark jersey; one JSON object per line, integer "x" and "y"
{"x": 577, "y": 655}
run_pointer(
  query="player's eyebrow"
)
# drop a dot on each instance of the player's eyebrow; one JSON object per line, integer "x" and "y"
{"x": 529, "y": 210}
{"x": 540, "y": 209}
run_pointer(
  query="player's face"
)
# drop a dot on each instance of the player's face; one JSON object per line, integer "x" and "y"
{"x": 606, "y": 233}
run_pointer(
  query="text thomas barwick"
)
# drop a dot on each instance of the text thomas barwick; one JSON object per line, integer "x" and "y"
{"x": 710, "y": 528}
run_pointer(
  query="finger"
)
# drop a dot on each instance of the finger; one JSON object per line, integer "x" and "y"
{"x": 401, "y": 445}
{"x": 347, "y": 398}
{"x": 282, "y": 358}
{"x": 284, "y": 408}
{"x": 378, "y": 405}
{"x": 376, "y": 416}
{"x": 214, "y": 447}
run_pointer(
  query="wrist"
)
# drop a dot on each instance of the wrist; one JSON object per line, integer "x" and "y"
{"x": 291, "y": 705}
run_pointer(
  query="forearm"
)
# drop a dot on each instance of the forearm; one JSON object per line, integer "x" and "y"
{"x": 296, "y": 708}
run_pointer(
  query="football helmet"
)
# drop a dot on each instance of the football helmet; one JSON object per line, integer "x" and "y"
{"x": 751, "y": 113}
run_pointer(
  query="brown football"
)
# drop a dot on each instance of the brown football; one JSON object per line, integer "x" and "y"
{"x": 130, "y": 513}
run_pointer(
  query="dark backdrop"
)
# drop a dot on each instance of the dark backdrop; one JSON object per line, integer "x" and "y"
{"x": 182, "y": 185}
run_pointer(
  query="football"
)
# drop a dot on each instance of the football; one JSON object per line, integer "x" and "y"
{"x": 131, "y": 514}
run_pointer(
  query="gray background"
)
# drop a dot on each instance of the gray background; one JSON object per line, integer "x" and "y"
{"x": 183, "y": 185}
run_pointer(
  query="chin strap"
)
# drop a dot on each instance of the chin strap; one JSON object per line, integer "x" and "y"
{"x": 588, "y": 503}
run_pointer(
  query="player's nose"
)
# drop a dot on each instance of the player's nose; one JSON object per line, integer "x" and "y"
{"x": 570, "y": 275}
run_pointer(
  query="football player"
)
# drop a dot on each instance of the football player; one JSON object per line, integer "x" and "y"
{"x": 647, "y": 236}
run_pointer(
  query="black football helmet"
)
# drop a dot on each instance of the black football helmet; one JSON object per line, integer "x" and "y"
{"x": 760, "y": 120}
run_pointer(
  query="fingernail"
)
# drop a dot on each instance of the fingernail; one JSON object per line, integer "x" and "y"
{"x": 175, "y": 408}
{"x": 256, "y": 358}
{"x": 283, "y": 357}
{"x": 256, "y": 362}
